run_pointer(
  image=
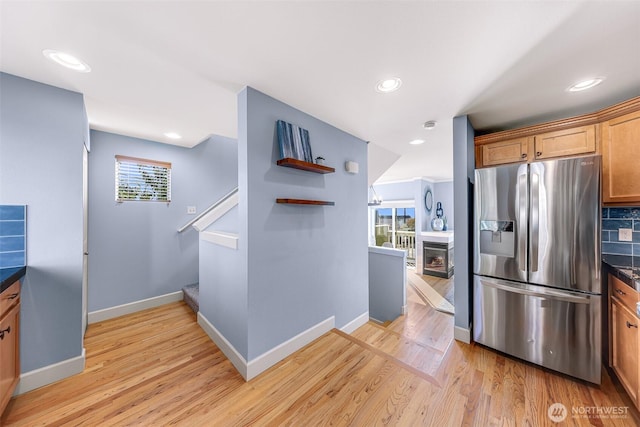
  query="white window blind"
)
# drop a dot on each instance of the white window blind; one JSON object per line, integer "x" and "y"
{"x": 142, "y": 179}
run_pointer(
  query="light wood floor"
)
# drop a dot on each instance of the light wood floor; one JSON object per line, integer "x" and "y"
{"x": 157, "y": 368}
{"x": 442, "y": 286}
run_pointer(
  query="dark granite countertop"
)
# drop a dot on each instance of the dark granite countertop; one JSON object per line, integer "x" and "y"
{"x": 628, "y": 274}
{"x": 8, "y": 276}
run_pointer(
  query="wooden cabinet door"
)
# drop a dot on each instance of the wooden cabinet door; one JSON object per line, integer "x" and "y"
{"x": 568, "y": 142}
{"x": 620, "y": 154}
{"x": 500, "y": 153}
{"x": 9, "y": 354}
{"x": 624, "y": 329}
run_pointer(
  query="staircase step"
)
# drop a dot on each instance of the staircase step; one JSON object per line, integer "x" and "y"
{"x": 191, "y": 296}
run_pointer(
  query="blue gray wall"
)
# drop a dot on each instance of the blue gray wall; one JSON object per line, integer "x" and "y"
{"x": 387, "y": 283}
{"x": 135, "y": 251}
{"x": 42, "y": 131}
{"x": 403, "y": 190}
{"x": 463, "y": 177}
{"x": 443, "y": 193}
{"x": 425, "y": 217}
{"x": 224, "y": 285}
{"x": 305, "y": 263}
{"x": 415, "y": 190}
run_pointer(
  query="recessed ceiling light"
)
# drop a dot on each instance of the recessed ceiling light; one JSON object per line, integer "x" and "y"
{"x": 67, "y": 60}
{"x": 388, "y": 85}
{"x": 173, "y": 135}
{"x": 429, "y": 125}
{"x": 417, "y": 142}
{"x": 585, "y": 84}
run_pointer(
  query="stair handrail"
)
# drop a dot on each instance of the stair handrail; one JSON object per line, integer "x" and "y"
{"x": 209, "y": 209}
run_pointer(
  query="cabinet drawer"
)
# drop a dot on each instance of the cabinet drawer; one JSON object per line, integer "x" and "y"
{"x": 622, "y": 292}
{"x": 9, "y": 297}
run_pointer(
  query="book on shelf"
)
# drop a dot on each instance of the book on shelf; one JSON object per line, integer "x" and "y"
{"x": 293, "y": 142}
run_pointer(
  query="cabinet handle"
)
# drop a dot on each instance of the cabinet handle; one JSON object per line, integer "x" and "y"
{"x": 631, "y": 325}
{"x": 8, "y": 330}
{"x": 619, "y": 292}
{"x": 538, "y": 153}
{"x": 524, "y": 155}
{"x": 13, "y": 296}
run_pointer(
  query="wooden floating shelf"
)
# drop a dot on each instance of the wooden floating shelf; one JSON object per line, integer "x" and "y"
{"x": 305, "y": 202}
{"x": 305, "y": 166}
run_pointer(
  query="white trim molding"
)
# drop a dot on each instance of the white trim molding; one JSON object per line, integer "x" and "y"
{"x": 228, "y": 240}
{"x": 216, "y": 213}
{"x": 276, "y": 354}
{"x": 133, "y": 307}
{"x": 225, "y": 346}
{"x": 50, "y": 374}
{"x": 255, "y": 367}
{"x": 462, "y": 334}
{"x": 356, "y": 323}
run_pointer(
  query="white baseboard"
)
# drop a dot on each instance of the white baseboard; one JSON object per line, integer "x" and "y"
{"x": 49, "y": 374}
{"x": 132, "y": 307}
{"x": 276, "y": 354}
{"x": 225, "y": 346}
{"x": 462, "y": 334}
{"x": 255, "y": 367}
{"x": 355, "y": 323}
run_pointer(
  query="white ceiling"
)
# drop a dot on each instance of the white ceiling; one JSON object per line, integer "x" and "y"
{"x": 160, "y": 66}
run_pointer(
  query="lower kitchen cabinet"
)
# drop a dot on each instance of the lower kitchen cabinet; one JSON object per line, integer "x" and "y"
{"x": 625, "y": 338}
{"x": 9, "y": 343}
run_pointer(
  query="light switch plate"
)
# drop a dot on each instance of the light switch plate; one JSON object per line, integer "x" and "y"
{"x": 191, "y": 210}
{"x": 625, "y": 234}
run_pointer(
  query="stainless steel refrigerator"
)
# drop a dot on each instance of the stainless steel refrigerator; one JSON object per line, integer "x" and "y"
{"x": 537, "y": 289}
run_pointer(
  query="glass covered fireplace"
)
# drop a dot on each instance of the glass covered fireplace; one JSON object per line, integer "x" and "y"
{"x": 437, "y": 259}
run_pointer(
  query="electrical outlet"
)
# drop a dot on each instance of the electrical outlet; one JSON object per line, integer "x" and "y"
{"x": 191, "y": 210}
{"x": 625, "y": 234}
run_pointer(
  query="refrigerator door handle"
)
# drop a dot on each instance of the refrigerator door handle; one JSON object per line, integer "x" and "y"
{"x": 538, "y": 292}
{"x": 535, "y": 219}
{"x": 522, "y": 221}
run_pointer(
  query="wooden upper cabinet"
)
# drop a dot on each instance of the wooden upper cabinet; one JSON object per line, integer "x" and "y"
{"x": 613, "y": 132}
{"x": 500, "y": 153}
{"x": 620, "y": 167}
{"x": 568, "y": 142}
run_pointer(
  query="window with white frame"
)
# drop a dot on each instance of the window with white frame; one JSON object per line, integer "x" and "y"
{"x": 142, "y": 180}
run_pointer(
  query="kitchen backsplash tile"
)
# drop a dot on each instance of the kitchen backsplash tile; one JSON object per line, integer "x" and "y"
{"x": 617, "y": 248}
{"x": 624, "y": 213}
{"x": 615, "y": 224}
{"x": 618, "y": 260}
{"x": 614, "y": 251}
{"x": 13, "y": 236}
